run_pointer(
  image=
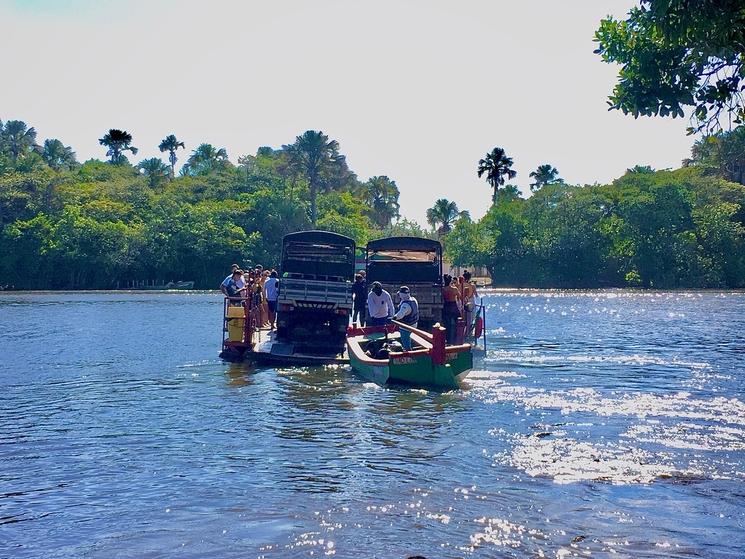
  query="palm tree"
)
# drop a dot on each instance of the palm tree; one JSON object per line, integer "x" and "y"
{"x": 381, "y": 195}
{"x": 646, "y": 169}
{"x": 57, "y": 155}
{"x": 510, "y": 192}
{"x": 205, "y": 159}
{"x": 543, "y": 175}
{"x": 497, "y": 167}
{"x": 444, "y": 213}
{"x": 170, "y": 144}
{"x": 18, "y": 139}
{"x": 154, "y": 169}
{"x": 118, "y": 142}
{"x": 315, "y": 156}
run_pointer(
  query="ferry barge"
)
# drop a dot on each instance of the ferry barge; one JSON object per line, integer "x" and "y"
{"x": 313, "y": 308}
{"x": 315, "y": 303}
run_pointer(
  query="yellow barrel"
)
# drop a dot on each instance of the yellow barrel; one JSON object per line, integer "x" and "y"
{"x": 236, "y": 312}
{"x": 235, "y": 329}
{"x": 235, "y": 322}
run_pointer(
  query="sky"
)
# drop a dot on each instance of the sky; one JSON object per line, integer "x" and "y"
{"x": 415, "y": 90}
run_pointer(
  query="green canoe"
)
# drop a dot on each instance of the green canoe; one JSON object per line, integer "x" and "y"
{"x": 376, "y": 355}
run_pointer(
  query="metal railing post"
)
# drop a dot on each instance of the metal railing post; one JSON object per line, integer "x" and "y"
{"x": 483, "y": 319}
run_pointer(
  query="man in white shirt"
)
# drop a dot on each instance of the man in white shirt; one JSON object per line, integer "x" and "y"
{"x": 379, "y": 306}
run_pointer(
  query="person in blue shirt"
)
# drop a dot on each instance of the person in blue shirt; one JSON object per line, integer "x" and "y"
{"x": 271, "y": 292}
{"x": 235, "y": 287}
{"x": 240, "y": 282}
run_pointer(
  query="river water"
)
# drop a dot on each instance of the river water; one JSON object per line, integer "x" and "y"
{"x": 603, "y": 423}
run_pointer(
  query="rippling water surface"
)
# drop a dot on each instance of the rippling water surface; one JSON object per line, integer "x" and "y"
{"x": 598, "y": 424}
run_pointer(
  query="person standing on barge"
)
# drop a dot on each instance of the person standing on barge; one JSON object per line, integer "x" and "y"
{"x": 469, "y": 300}
{"x": 240, "y": 282}
{"x": 234, "y": 289}
{"x": 452, "y": 307}
{"x": 379, "y": 305}
{"x": 271, "y": 294}
{"x": 360, "y": 299}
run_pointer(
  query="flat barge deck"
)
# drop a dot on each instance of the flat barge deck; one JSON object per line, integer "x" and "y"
{"x": 267, "y": 350}
{"x": 246, "y": 339}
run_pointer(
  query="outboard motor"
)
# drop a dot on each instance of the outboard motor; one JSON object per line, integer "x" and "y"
{"x": 395, "y": 347}
{"x": 382, "y": 353}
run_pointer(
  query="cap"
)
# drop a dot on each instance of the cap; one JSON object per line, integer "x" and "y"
{"x": 403, "y": 289}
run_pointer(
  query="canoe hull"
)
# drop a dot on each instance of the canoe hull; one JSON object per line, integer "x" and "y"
{"x": 412, "y": 368}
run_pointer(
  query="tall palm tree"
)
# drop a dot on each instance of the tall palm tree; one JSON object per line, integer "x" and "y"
{"x": 315, "y": 156}
{"x": 57, "y": 155}
{"x": 381, "y": 195}
{"x": 118, "y": 141}
{"x": 170, "y": 144}
{"x": 204, "y": 159}
{"x": 497, "y": 167}
{"x": 443, "y": 215}
{"x": 543, "y": 175}
{"x": 18, "y": 139}
{"x": 154, "y": 169}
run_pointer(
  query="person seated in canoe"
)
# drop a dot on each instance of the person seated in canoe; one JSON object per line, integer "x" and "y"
{"x": 408, "y": 313}
{"x": 235, "y": 287}
{"x": 379, "y": 306}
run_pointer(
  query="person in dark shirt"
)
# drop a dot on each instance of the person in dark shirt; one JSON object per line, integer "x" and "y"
{"x": 359, "y": 290}
{"x": 235, "y": 287}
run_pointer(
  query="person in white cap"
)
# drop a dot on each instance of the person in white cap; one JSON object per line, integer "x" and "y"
{"x": 408, "y": 313}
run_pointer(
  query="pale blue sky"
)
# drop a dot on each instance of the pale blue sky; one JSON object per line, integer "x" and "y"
{"x": 416, "y": 90}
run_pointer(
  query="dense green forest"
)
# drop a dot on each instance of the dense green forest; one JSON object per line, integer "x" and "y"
{"x": 72, "y": 226}
{"x": 65, "y": 225}
{"x": 663, "y": 229}
{"x": 671, "y": 228}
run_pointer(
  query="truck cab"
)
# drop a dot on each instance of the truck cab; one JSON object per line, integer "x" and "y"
{"x": 412, "y": 261}
{"x": 315, "y": 289}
